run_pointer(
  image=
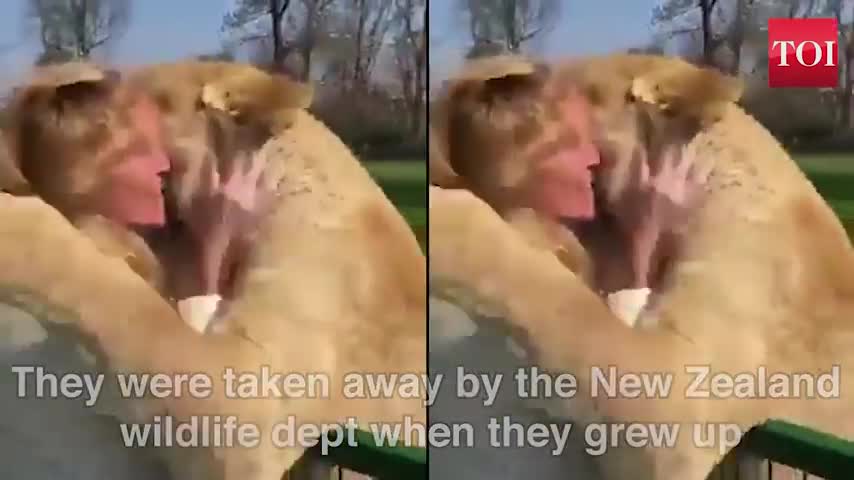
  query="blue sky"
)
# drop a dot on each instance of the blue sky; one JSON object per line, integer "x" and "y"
{"x": 583, "y": 27}
{"x": 165, "y": 30}
{"x": 159, "y": 30}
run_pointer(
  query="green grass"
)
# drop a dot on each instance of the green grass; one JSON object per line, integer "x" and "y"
{"x": 833, "y": 177}
{"x": 405, "y": 183}
{"x": 407, "y": 170}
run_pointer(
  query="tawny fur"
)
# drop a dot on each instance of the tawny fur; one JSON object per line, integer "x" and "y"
{"x": 675, "y": 86}
{"x": 764, "y": 278}
{"x": 116, "y": 241}
{"x": 242, "y": 90}
{"x": 336, "y": 284}
{"x": 545, "y": 233}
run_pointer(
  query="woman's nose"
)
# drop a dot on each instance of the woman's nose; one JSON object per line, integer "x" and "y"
{"x": 592, "y": 155}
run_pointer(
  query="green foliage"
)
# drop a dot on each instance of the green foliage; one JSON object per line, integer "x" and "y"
{"x": 405, "y": 183}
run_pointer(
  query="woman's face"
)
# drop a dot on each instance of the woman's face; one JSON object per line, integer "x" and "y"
{"x": 564, "y": 178}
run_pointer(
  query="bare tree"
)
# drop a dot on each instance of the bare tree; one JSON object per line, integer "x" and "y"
{"x": 727, "y": 23}
{"x": 737, "y": 33}
{"x": 223, "y": 55}
{"x": 667, "y": 10}
{"x": 706, "y": 7}
{"x": 651, "y": 48}
{"x": 847, "y": 81}
{"x": 846, "y": 55}
{"x": 670, "y": 11}
{"x": 508, "y": 23}
{"x": 49, "y": 55}
{"x": 73, "y": 28}
{"x": 248, "y": 14}
{"x": 364, "y": 25}
{"x": 802, "y": 8}
{"x": 311, "y": 27}
{"x": 411, "y": 58}
{"x": 729, "y": 31}
{"x": 485, "y": 49}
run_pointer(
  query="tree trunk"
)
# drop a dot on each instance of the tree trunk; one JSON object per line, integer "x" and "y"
{"x": 847, "y": 84}
{"x": 846, "y": 54}
{"x": 736, "y": 39}
{"x": 309, "y": 38}
{"x": 306, "y": 62}
{"x": 78, "y": 10}
{"x": 510, "y": 27}
{"x": 416, "y": 122}
{"x": 276, "y": 16}
{"x": 360, "y": 31}
{"x": 708, "y": 51}
{"x": 419, "y": 81}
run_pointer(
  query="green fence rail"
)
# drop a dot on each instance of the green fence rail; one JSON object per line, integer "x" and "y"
{"x": 812, "y": 452}
{"x": 799, "y": 447}
{"x": 380, "y": 462}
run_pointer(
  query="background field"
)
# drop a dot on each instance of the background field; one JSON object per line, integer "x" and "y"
{"x": 405, "y": 183}
{"x": 833, "y": 176}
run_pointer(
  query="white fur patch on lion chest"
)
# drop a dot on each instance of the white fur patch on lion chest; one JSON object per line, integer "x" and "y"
{"x": 199, "y": 311}
{"x": 628, "y": 304}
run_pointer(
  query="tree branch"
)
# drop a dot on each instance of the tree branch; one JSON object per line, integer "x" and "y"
{"x": 527, "y": 36}
{"x": 98, "y": 43}
{"x": 252, "y": 37}
{"x": 47, "y": 43}
{"x": 284, "y": 7}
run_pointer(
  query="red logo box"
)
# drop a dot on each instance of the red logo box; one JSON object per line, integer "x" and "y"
{"x": 803, "y": 52}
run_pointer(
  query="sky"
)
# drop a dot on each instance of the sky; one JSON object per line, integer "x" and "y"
{"x": 158, "y": 30}
{"x": 170, "y": 29}
{"x": 583, "y": 27}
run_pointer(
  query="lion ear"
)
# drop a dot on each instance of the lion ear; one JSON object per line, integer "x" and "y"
{"x": 481, "y": 83}
{"x": 502, "y": 76}
{"x": 693, "y": 92}
{"x": 486, "y": 68}
{"x": 80, "y": 91}
{"x": 11, "y": 177}
{"x": 74, "y": 82}
{"x": 507, "y": 86}
{"x": 60, "y": 75}
{"x": 440, "y": 173}
{"x": 47, "y": 87}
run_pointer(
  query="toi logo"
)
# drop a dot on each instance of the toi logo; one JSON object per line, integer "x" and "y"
{"x": 803, "y": 52}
